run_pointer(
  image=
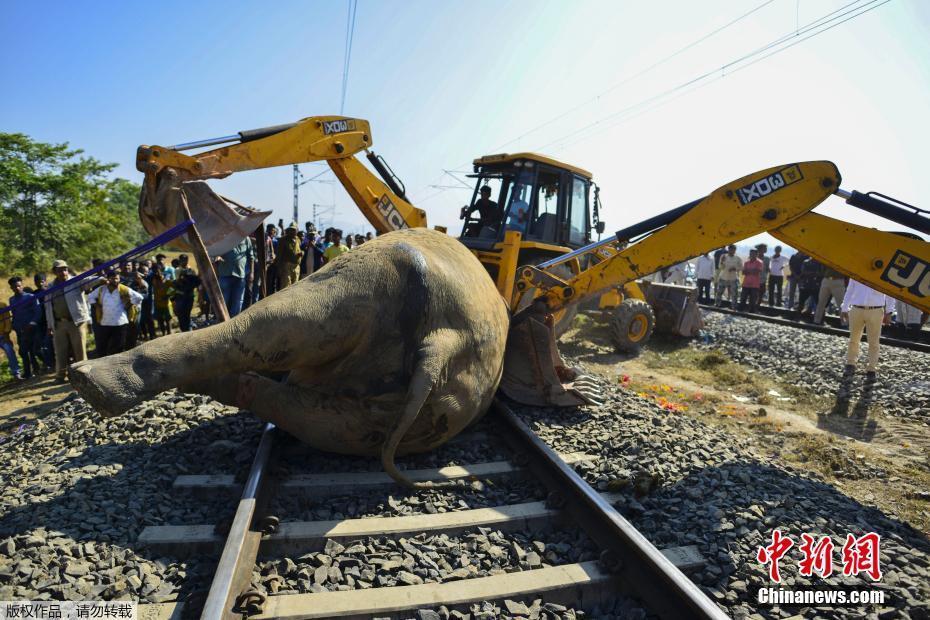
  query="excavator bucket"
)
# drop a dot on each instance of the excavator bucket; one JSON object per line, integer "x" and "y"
{"x": 221, "y": 222}
{"x": 534, "y": 372}
{"x": 675, "y": 308}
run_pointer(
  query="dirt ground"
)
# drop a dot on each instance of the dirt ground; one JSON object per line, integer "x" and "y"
{"x": 23, "y": 402}
{"x": 879, "y": 460}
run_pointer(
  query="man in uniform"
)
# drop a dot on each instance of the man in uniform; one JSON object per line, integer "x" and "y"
{"x": 67, "y": 316}
{"x": 289, "y": 255}
{"x": 833, "y": 285}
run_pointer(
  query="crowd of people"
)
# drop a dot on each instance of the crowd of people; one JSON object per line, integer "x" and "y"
{"x": 726, "y": 279}
{"x": 138, "y": 300}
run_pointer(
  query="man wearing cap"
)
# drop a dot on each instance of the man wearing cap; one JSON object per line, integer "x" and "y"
{"x": 114, "y": 304}
{"x": 67, "y": 315}
{"x": 289, "y": 256}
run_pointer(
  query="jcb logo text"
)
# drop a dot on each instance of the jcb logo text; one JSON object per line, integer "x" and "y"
{"x": 771, "y": 183}
{"x": 390, "y": 213}
{"x": 338, "y": 126}
{"x": 909, "y": 272}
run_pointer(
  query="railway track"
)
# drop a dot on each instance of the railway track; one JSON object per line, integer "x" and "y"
{"x": 832, "y": 325}
{"x": 619, "y": 565}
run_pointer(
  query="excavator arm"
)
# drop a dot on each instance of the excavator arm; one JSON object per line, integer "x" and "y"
{"x": 777, "y": 200}
{"x": 174, "y": 179}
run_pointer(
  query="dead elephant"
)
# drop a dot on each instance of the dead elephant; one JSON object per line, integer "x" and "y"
{"x": 395, "y": 346}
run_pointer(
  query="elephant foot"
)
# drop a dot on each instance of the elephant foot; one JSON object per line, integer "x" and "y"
{"x": 105, "y": 389}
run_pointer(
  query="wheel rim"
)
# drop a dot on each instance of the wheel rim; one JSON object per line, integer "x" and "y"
{"x": 637, "y": 328}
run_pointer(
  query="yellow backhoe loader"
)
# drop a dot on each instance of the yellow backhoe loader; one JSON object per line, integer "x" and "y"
{"x": 538, "y": 214}
{"x": 777, "y": 201}
{"x": 525, "y": 209}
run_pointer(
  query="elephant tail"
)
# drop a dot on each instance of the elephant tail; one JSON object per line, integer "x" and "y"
{"x": 427, "y": 373}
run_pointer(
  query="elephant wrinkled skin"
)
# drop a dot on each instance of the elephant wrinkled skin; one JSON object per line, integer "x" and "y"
{"x": 397, "y": 345}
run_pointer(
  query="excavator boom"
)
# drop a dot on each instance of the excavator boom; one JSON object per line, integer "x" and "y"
{"x": 174, "y": 181}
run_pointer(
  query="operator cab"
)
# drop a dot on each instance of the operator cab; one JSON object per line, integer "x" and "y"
{"x": 546, "y": 200}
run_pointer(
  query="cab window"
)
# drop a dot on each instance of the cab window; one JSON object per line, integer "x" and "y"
{"x": 544, "y": 225}
{"x": 518, "y": 212}
{"x": 579, "y": 212}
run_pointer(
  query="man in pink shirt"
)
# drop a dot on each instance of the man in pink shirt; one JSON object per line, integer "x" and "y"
{"x": 752, "y": 281}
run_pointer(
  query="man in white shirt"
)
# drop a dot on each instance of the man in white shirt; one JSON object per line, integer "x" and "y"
{"x": 864, "y": 308}
{"x": 704, "y": 273}
{"x": 777, "y": 265}
{"x": 113, "y": 303}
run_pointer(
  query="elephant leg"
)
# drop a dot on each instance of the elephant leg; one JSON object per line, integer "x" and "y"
{"x": 326, "y": 422}
{"x": 260, "y": 339}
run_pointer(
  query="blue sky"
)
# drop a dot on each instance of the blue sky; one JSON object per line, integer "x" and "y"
{"x": 444, "y": 82}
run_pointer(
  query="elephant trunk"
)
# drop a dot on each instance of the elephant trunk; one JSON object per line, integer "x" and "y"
{"x": 260, "y": 339}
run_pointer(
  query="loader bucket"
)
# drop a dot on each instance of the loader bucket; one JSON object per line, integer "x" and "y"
{"x": 221, "y": 222}
{"x": 534, "y": 372}
{"x": 675, "y": 307}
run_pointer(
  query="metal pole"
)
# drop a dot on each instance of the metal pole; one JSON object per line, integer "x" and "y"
{"x": 205, "y": 266}
{"x": 296, "y": 190}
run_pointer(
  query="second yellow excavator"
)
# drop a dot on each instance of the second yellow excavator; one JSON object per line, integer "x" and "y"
{"x": 537, "y": 212}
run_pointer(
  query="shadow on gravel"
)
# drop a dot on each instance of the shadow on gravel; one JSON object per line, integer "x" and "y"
{"x": 92, "y": 503}
{"x": 729, "y": 511}
{"x": 848, "y": 418}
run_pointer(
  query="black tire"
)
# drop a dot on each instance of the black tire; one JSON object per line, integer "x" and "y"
{"x": 631, "y": 324}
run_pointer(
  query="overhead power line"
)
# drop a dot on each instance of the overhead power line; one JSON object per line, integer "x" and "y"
{"x": 624, "y": 81}
{"x": 812, "y": 29}
{"x": 818, "y": 26}
{"x": 636, "y": 75}
{"x": 350, "y": 35}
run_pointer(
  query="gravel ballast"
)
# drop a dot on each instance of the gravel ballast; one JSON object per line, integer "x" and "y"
{"x": 688, "y": 483}
{"x": 424, "y": 558}
{"x": 395, "y": 502}
{"x": 77, "y": 489}
{"x": 814, "y": 361}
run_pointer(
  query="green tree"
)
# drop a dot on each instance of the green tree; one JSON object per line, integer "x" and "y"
{"x": 57, "y": 203}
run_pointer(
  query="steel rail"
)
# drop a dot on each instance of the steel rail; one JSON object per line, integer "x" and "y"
{"x": 641, "y": 566}
{"x": 234, "y": 570}
{"x": 913, "y": 345}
